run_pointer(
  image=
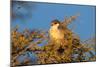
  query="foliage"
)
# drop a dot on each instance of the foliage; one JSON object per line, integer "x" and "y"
{"x": 26, "y": 49}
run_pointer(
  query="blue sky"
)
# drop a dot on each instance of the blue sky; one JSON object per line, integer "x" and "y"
{"x": 39, "y": 16}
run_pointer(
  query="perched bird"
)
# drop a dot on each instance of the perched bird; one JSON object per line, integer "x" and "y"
{"x": 58, "y": 32}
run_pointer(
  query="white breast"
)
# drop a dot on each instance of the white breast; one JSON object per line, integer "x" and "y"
{"x": 55, "y": 33}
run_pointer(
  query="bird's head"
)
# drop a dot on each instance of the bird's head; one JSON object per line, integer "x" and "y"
{"x": 55, "y": 23}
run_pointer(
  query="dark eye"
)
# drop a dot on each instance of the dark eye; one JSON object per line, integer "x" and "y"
{"x": 55, "y": 23}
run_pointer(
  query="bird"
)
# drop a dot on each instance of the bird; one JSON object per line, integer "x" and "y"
{"x": 59, "y": 33}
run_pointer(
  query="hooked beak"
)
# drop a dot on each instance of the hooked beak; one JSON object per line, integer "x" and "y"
{"x": 52, "y": 24}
